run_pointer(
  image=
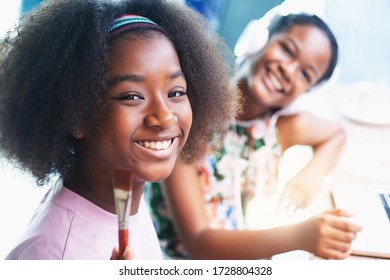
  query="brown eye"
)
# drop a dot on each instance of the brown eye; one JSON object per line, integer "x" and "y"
{"x": 306, "y": 76}
{"x": 286, "y": 49}
{"x": 176, "y": 94}
{"x": 129, "y": 96}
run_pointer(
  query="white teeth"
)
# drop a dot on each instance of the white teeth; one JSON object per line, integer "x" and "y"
{"x": 156, "y": 145}
{"x": 275, "y": 82}
{"x": 166, "y": 144}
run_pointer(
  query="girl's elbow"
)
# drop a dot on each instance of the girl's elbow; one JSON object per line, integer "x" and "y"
{"x": 341, "y": 136}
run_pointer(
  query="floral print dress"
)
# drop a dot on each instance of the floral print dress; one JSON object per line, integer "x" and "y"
{"x": 245, "y": 166}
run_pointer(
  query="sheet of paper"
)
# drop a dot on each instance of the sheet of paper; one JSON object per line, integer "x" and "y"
{"x": 366, "y": 159}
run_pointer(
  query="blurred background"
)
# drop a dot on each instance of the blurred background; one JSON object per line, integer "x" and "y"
{"x": 362, "y": 29}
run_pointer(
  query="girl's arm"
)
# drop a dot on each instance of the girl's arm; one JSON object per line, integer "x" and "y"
{"x": 330, "y": 236}
{"x": 327, "y": 140}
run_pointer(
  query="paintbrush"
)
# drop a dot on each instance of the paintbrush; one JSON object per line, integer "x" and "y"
{"x": 123, "y": 189}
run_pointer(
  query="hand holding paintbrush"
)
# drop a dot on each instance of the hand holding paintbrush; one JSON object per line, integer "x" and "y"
{"x": 123, "y": 189}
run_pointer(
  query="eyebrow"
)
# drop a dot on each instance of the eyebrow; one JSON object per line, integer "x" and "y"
{"x": 292, "y": 41}
{"x": 139, "y": 78}
{"x": 176, "y": 74}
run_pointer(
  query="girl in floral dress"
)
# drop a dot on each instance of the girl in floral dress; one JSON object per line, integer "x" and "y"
{"x": 205, "y": 203}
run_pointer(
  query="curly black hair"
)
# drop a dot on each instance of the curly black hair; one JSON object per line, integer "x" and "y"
{"x": 53, "y": 70}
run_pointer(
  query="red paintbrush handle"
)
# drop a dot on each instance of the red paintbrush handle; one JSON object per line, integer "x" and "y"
{"x": 123, "y": 240}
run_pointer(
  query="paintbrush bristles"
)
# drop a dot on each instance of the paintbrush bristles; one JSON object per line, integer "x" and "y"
{"x": 122, "y": 179}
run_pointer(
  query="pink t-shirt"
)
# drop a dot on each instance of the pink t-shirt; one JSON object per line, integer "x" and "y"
{"x": 66, "y": 226}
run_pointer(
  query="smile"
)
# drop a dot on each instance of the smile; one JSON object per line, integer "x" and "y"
{"x": 275, "y": 82}
{"x": 156, "y": 145}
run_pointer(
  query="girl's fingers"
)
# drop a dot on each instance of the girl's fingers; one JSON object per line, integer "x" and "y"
{"x": 127, "y": 255}
{"x": 115, "y": 254}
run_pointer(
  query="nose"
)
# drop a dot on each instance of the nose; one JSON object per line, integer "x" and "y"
{"x": 289, "y": 70}
{"x": 160, "y": 115}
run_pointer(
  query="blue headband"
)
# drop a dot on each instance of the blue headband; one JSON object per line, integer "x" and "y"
{"x": 130, "y": 22}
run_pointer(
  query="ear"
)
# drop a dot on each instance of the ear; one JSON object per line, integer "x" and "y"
{"x": 78, "y": 133}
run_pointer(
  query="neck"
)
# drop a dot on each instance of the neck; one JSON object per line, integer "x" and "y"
{"x": 97, "y": 187}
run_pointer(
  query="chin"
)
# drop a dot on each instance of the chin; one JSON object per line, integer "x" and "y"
{"x": 260, "y": 92}
{"x": 156, "y": 175}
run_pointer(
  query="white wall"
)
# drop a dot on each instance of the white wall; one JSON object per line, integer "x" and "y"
{"x": 363, "y": 29}
{"x": 313, "y": 6}
{"x": 9, "y": 12}
{"x": 19, "y": 196}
